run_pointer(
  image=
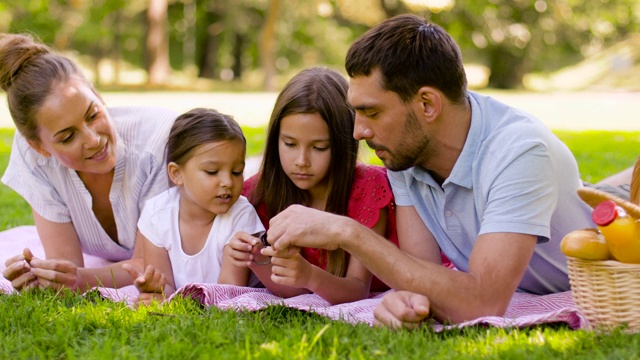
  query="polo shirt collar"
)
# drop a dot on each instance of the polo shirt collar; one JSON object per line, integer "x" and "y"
{"x": 462, "y": 170}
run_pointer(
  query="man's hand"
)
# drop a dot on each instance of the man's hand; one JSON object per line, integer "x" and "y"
{"x": 301, "y": 226}
{"x": 401, "y": 309}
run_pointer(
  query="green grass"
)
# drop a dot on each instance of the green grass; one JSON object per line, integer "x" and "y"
{"x": 255, "y": 139}
{"x": 53, "y": 325}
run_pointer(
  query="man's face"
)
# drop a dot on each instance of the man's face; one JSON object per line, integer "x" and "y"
{"x": 388, "y": 125}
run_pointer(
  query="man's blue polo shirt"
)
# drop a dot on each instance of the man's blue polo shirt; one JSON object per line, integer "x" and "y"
{"x": 513, "y": 175}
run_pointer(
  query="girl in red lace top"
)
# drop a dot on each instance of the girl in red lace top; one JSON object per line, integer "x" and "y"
{"x": 311, "y": 159}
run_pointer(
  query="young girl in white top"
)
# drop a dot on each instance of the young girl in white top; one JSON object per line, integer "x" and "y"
{"x": 185, "y": 228}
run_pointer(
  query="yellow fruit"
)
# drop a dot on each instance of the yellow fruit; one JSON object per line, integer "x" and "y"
{"x": 621, "y": 232}
{"x": 624, "y": 240}
{"x": 585, "y": 244}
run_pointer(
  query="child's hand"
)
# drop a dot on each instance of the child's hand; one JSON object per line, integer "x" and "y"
{"x": 147, "y": 299}
{"x": 151, "y": 284}
{"x": 289, "y": 269}
{"x": 242, "y": 249}
{"x": 151, "y": 281}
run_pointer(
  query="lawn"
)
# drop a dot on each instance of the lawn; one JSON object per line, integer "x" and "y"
{"x": 64, "y": 325}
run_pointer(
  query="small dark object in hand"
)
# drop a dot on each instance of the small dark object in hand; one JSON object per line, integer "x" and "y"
{"x": 265, "y": 243}
{"x": 263, "y": 238}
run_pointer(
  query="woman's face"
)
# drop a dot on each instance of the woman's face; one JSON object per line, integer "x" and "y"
{"x": 305, "y": 151}
{"x": 75, "y": 128}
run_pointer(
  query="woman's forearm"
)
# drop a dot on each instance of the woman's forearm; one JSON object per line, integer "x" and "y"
{"x": 111, "y": 276}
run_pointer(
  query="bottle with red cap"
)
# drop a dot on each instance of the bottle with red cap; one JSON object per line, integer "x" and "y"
{"x": 621, "y": 231}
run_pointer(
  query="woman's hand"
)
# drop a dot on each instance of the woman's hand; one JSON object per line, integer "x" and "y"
{"x": 56, "y": 274}
{"x": 18, "y": 271}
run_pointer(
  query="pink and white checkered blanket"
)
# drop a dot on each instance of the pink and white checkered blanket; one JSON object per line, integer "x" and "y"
{"x": 524, "y": 310}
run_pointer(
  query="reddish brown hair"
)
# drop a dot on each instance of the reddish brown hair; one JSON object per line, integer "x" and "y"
{"x": 29, "y": 71}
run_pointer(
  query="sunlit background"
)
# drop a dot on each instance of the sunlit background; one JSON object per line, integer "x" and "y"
{"x": 234, "y": 55}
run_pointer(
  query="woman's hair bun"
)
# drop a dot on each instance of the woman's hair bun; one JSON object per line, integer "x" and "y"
{"x": 16, "y": 50}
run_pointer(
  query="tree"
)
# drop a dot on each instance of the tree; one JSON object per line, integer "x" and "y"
{"x": 268, "y": 45}
{"x": 514, "y": 37}
{"x": 209, "y": 39}
{"x": 157, "y": 42}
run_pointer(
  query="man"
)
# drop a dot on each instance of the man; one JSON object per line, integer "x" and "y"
{"x": 487, "y": 184}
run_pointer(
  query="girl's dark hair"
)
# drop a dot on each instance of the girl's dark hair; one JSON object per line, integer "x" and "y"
{"x": 410, "y": 53}
{"x": 29, "y": 71}
{"x": 322, "y": 91}
{"x": 199, "y": 127}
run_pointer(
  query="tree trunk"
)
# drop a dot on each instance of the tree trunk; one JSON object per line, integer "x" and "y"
{"x": 189, "y": 9}
{"x": 392, "y": 9}
{"x": 116, "y": 49}
{"x": 506, "y": 68}
{"x": 268, "y": 45}
{"x": 158, "y": 42}
{"x": 238, "y": 46}
{"x": 208, "y": 44}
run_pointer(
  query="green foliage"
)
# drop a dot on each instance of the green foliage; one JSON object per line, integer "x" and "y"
{"x": 515, "y": 37}
{"x": 39, "y": 17}
{"x": 511, "y": 37}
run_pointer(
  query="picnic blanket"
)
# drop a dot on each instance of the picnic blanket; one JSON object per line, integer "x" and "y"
{"x": 523, "y": 311}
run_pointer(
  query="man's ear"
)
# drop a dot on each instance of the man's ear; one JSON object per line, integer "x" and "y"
{"x": 430, "y": 103}
{"x": 37, "y": 146}
{"x": 175, "y": 176}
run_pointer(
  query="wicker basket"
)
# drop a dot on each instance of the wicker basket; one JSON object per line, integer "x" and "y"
{"x": 608, "y": 292}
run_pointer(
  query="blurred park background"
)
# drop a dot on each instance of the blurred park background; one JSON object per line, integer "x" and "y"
{"x": 187, "y": 53}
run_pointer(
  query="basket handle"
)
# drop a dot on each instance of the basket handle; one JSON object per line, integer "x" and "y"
{"x": 635, "y": 183}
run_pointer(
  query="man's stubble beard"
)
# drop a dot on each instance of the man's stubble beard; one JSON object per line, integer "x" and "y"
{"x": 410, "y": 149}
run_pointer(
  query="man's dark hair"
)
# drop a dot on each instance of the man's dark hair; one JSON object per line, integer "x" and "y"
{"x": 410, "y": 53}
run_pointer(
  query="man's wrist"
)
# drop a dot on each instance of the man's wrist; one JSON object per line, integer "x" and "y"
{"x": 350, "y": 231}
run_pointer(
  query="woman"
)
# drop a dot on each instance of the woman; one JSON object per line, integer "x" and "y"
{"x": 85, "y": 170}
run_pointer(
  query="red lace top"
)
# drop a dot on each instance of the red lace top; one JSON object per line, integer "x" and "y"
{"x": 370, "y": 193}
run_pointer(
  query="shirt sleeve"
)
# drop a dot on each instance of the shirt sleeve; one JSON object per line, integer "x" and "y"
{"x": 28, "y": 173}
{"x": 399, "y": 187}
{"x": 523, "y": 194}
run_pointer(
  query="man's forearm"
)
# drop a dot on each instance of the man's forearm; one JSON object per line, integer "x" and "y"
{"x": 455, "y": 296}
